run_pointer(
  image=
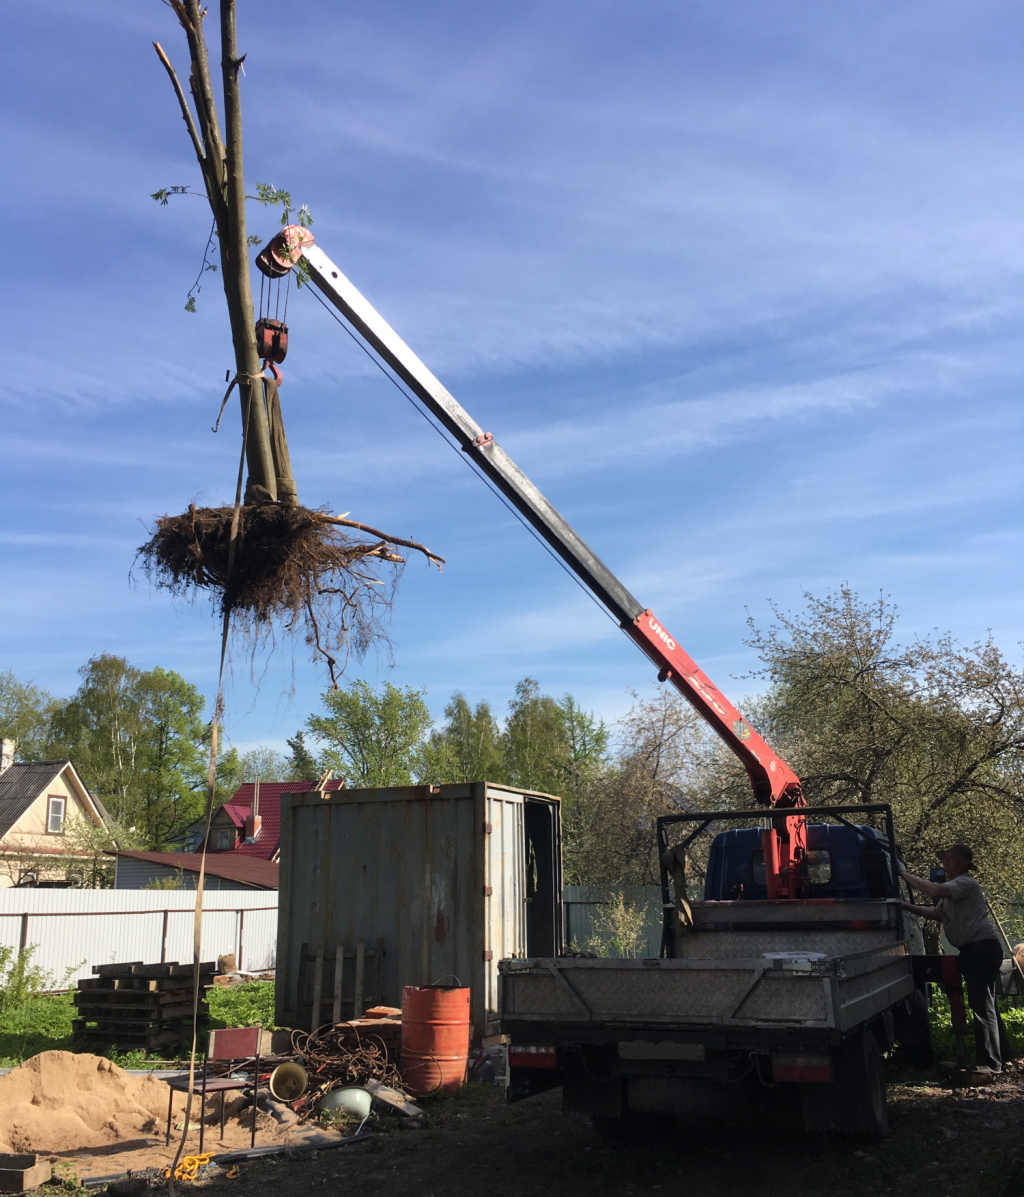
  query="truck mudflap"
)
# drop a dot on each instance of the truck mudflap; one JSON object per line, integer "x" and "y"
{"x": 777, "y": 989}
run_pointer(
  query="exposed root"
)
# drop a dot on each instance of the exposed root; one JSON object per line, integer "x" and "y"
{"x": 292, "y": 564}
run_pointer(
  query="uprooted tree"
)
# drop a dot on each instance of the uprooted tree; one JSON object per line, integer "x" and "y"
{"x": 267, "y": 561}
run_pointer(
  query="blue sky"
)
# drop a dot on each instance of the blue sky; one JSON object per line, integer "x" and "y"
{"x": 737, "y": 285}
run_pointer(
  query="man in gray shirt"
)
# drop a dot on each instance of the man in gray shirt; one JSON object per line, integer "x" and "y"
{"x": 962, "y": 910}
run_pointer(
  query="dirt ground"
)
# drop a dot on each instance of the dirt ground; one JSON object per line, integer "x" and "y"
{"x": 941, "y": 1143}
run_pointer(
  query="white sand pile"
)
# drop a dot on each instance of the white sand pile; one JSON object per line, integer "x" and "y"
{"x": 62, "y": 1101}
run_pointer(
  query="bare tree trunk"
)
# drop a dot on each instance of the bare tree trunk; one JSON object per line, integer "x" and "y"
{"x": 220, "y": 159}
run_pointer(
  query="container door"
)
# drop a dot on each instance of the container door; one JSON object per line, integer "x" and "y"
{"x": 504, "y": 906}
{"x": 543, "y": 879}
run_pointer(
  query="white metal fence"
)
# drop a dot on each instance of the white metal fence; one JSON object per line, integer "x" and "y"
{"x": 73, "y": 929}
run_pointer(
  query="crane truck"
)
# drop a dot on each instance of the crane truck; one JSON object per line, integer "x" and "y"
{"x": 795, "y": 971}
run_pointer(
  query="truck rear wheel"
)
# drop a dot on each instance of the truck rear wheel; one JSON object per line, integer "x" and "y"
{"x": 860, "y": 1072}
{"x": 914, "y": 1030}
{"x": 855, "y": 1103}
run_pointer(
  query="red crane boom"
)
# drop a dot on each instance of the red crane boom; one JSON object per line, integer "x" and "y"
{"x": 774, "y": 783}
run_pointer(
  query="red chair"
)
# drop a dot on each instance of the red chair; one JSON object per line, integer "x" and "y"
{"x": 241, "y": 1045}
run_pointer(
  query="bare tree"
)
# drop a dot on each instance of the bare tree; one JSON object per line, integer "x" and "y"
{"x": 220, "y": 159}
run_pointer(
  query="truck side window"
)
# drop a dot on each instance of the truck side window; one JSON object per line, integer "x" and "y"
{"x": 757, "y": 868}
{"x": 819, "y": 866}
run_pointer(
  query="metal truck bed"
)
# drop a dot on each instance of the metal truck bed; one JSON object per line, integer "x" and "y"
{"x": 722, "y": 981}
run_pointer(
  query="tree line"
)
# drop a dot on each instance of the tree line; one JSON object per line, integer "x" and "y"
{"x": 933, "y": 727}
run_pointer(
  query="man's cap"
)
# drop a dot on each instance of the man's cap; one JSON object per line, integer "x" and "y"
{"x": 960, "y": 850}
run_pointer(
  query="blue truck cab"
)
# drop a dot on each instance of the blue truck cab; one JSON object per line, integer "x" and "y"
{"x": 842, "y": 863}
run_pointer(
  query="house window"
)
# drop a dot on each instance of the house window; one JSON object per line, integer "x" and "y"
{"x": 225, "y": 838}
{"x": 55, "y": 817}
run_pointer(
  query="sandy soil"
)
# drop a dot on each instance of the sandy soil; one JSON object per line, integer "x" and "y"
{"x": 89, "y": 1117}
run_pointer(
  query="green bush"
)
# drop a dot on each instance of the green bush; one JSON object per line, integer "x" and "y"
{"x": 20, "y": 979}
{"x": 40, "y": 1024}
{"x": 942, "y": 1030}
{"x": 248, "y": 1005}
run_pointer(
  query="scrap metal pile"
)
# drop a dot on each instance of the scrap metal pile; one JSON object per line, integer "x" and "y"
{"x": 352, "y": 1053}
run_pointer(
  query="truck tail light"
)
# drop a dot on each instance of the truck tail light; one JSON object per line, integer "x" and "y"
{"x": 532, "y": 1056}
{"x": 803, "y": 1067}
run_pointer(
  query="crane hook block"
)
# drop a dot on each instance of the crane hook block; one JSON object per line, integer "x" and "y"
{"x": 272, "y": 339}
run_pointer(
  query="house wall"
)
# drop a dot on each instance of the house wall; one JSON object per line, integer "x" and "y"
{"x": 29, "y": 834}
{"x": 137, "y": 874}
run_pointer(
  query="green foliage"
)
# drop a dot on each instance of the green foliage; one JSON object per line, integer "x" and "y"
{"x": 302, "y": 764}
{"x": 942, "y": 1029}
{"x": 466, "y": 748}
{"x": 136, "y": 738}
{"x": 37, "y": 1024}
{"x": 264, "y": 763}
{"x": 371, "y": 738}
{"x": 935, "y": 728}
{"x": 274, "y": 197}
{"x": 25, "y": 715}
{"x": 618, "y": 929}
{"x": 175, "y": 881}
{"x": 164, "y": 193}
{"x": 248, "y": 1005}
{"x": 20, "y": 979}
{"x": 533, "y": 743}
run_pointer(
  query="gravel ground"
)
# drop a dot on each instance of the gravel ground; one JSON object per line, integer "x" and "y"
{"x": 941, "y": 1142}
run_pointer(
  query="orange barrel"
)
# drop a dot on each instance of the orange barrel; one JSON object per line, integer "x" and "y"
{"x": 435, "y": 1038}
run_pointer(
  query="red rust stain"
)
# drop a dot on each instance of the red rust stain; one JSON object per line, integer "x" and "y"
{"x": 440, "y": 928}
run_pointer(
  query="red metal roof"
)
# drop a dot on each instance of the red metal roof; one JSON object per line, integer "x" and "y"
{"x": 269, "y": 839}
{"x": 261, "y": 874}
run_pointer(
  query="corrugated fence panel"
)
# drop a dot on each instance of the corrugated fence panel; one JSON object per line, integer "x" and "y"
{"x": 586, "y": 904}
{"x": 73, "y": 929}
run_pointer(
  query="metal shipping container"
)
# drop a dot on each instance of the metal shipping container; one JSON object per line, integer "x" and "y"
{"x": 434, "y": 882}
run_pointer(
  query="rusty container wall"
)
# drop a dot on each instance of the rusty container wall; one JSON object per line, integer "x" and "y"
{"x": 432, "y": 880}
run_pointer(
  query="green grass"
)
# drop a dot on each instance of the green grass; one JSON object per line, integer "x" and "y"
{"x": 39, "y": 1024}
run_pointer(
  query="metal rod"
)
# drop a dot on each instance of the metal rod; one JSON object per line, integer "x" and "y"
{"x": 378, "y": 966}
{"x": 360, "y": 969}
{"x": 481, "y": 447}
{"x": 339, "y": 968}
{"x": 713, "y": 816}
{"x": 318, "y": 987}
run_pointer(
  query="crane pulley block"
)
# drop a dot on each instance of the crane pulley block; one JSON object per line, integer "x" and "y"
{"x": 272, "y": 339}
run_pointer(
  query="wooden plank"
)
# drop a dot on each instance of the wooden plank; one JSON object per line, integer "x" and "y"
{"x": 115, "y": 970}
{"x": 116, "y": 998}
{"x": 339, "y": 970}
{"x": 378, "y": 967}
{"x": 137, "y": 1013}
{"x": 318, "y": 988}
{"x": 360, "y": 971}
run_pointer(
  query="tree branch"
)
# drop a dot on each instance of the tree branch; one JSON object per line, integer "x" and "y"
{"x": 186, "y": 115}
{"x": 409, "y": 544}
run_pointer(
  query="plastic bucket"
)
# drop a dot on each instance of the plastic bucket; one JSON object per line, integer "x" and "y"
{"x": 435, "y": 1038}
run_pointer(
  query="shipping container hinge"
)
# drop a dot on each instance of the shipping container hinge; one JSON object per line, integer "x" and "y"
{"x": 488, "y": 955}
{"x": 488, "y": 890}
{"x": 488, "y": 829}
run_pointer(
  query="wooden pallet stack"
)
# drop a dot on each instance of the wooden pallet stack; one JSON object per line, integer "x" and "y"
{"x": 138, "y": 1005}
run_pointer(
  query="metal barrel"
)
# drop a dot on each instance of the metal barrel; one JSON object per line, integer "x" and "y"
{"x": 435, "y": 1038}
